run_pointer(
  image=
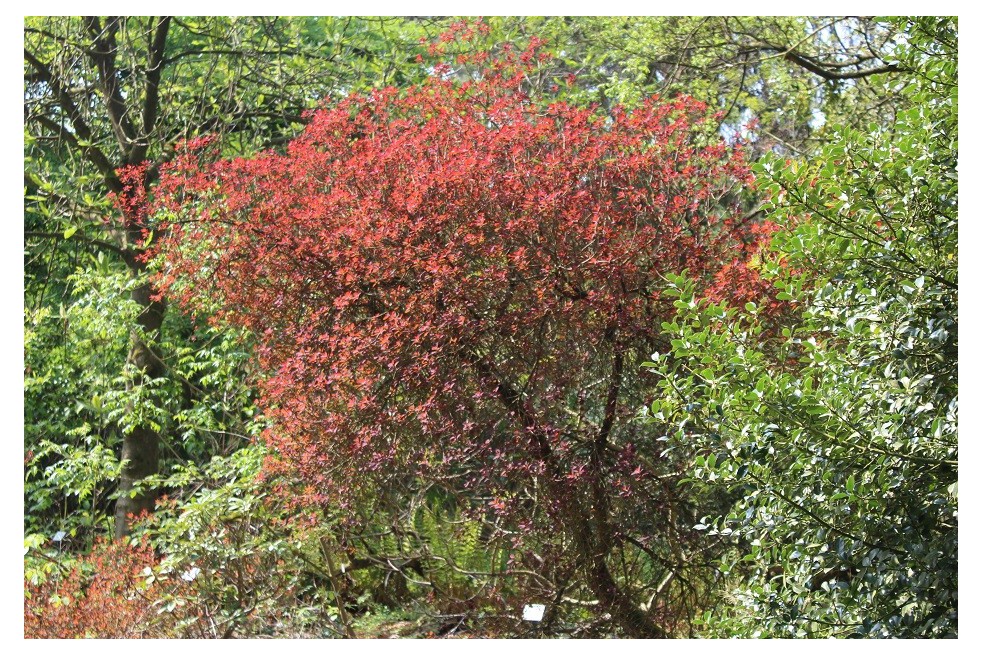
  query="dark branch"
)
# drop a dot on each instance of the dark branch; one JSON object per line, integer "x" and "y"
{"x": 82, "y": 131}
{"x": 151, "y": 105}
{"x": 125, "y": 255}
{"x": 103, "y": 55}
{"x": 827, "y": 74}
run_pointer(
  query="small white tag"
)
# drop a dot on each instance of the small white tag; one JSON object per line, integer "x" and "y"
{"x": 533, "y": 612}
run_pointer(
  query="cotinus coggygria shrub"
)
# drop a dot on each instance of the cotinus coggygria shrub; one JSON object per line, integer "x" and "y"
{"x": 453, "y": 286}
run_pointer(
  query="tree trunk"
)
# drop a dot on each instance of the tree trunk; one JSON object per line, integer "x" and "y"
{"x": 592, "y": 555}
{"x": 141, "y": 446}
{"x": 592, "y": 527}
{"x": 621, "y": 606}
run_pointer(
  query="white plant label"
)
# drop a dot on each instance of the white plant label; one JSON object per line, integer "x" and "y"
{"x": 533, "y": 612}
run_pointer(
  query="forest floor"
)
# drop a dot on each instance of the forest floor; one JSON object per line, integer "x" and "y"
{"x": 385, "y": 624}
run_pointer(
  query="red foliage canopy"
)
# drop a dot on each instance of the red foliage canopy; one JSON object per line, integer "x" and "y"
{"x": 456, "y": 283}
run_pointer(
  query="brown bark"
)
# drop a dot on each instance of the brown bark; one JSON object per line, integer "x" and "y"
{"x": 141, "y": 446}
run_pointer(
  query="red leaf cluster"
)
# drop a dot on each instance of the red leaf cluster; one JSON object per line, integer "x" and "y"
{"x": 455, "y": 282}
{"x": 103, "y": 597}
{"x": 132, "y": 200}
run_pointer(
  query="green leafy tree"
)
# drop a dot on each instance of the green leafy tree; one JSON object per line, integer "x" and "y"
{"x": 794, "y": 76}
{"x": 105, "y": 100}
{"x": 838, "y": 438}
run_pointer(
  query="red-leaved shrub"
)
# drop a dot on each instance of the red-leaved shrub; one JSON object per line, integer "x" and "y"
{"x": 104, "y": 596}
{"x": 455, "y": 284}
